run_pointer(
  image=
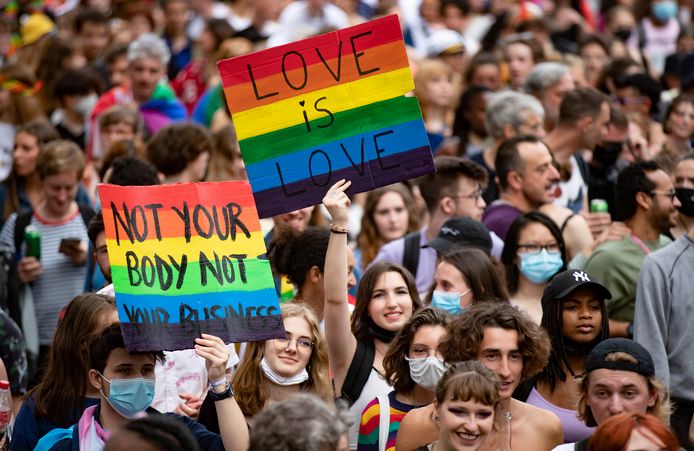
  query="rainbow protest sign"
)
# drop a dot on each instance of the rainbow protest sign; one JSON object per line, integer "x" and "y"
{"x": 185, "y": 260}
{"x": 329, "y": 107}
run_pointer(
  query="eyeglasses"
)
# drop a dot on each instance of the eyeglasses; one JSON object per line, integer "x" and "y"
{"x": 477, "y": 194}
{"x": 537, "y": 248}
{"x": 282, "y": 344}
{"x": 423, "y": 353}
{"x": 671, "y": 194}
{"x": 625, "y": 101}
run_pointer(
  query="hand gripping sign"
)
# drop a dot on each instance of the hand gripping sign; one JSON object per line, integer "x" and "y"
{"x": 312, "y": 112}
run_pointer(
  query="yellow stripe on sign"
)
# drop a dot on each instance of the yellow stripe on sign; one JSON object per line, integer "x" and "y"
{"x": 290, "y": 112}
{"x": 176, "y": 247}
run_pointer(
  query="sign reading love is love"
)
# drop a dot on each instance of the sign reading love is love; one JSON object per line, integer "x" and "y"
{"x": 312, "y": 112}
{"x": 185, "y": 261}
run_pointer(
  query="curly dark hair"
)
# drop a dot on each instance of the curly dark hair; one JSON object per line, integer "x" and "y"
{"x": 396, "y": 367}
{"x": 633, "y": 180}
{"x": 295, "y": 253}
{"x": 466, "y": 332}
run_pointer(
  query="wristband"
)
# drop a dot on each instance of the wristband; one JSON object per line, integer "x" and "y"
{"x": 338, "y": 229}
{"x": 214, "y": 384}
{"x": 226, "y": 394}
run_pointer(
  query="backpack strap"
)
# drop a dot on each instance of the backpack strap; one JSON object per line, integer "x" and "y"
{"x": 21, "y": 223}
{"x": 410, "y": 256}
{"x": 383, "y": 421}
{"x": 582, "y": 445}
{"x": 359, "y": 371}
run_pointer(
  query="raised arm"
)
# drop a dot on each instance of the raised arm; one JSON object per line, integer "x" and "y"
{"x": 338, "y": 333}
{"x": 232, "y": 424}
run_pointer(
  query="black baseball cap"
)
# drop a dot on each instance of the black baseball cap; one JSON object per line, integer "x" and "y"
{"x": 597, "y": 358}
{"x": 462, "y": 232}
{"x": 572, "y": 279}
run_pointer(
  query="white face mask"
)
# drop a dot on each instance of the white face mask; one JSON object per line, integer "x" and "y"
{"x": 299, "y": 378}
{"x": 86, "y": 104}
{"x": 426, "y": 372}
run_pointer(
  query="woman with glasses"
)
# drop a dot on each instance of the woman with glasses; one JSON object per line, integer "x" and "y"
{"x": 533, "y": 253}
{"x": 386, "y": 299}
{"x": 274, "y": 369}
{"x": 464, "y": 277}
{"x": 575, "y": 317}
{"x": 413, "y": 366}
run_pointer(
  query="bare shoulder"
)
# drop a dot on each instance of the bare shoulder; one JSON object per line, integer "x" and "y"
{"x": 416, "y": 429}
{"x": 541, "y": 426}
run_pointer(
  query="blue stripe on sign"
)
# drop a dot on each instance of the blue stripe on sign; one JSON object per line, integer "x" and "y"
{"x": 153, "y": 308}
{"x": 301, "y": 165}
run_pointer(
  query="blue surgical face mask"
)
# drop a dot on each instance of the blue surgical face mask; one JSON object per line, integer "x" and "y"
{"x": 665, "y": 10}
{"x": 448, "y": 301}
{"x": 538, "y": 267}
{"x": 130, "y": 397}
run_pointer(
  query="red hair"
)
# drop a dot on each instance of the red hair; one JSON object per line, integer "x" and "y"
{"x": 614, "y": 433}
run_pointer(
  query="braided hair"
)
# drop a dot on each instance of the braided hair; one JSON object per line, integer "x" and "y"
{"x": 553, "y": 323}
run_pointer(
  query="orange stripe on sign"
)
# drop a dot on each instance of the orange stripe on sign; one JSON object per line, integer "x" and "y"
{"x": 355, "y": 40}
{"x": 384, "y": 58}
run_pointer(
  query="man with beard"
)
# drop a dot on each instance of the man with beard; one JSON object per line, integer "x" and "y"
{"x": 527, "y": 180}
{"x": 663, "y": 305}
{"x": 647, "y": 203}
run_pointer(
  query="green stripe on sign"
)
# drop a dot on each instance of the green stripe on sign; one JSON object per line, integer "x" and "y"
{"x": 346, "y": 123}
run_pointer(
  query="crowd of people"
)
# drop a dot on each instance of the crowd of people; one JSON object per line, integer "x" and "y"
{"x": 534, "y": 293}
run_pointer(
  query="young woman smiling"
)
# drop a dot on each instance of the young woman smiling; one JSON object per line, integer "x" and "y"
{"x": 467, "y": 401}
{"x": 386, "y": 298}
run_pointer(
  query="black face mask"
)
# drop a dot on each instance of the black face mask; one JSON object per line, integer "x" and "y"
{"x": 607, "y": 153}
{"x": 379, "y": 333}
{"x": 686, "y": 198}
{"x": 622, "y": 34}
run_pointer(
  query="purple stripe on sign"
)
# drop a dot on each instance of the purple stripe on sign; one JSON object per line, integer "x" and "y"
{"x": 175, "y": 336}
{"x": 379, "y": 172}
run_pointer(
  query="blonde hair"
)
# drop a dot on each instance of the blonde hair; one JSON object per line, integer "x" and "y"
{"x": 60, "y": 156}
{"x": 252, "y": 396}
{"x": 428, "y": 69}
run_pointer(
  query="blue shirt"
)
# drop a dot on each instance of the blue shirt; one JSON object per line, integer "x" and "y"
{"x": 29, "y": 428}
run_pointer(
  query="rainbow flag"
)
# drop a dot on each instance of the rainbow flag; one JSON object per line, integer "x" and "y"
{"x": 188, "y": 259}
{"x": 312, "y": 112}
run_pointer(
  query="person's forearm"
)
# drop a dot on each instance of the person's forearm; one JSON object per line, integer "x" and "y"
{"x": 232, "y": 423}
{"x": 619, "y": 328}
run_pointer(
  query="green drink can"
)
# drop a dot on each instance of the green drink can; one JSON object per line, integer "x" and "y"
{"x": 598, "y": 206}
{"x": 32, "y": 238}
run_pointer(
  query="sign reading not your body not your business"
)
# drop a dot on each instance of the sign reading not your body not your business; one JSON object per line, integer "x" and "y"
{"x": 185, "y": 261}
{"x": 325, "y": 108}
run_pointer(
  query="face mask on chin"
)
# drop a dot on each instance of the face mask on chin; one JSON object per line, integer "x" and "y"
{"x": 607, "y": 153}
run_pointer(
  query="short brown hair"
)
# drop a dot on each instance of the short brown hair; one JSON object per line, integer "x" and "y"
{"x": 469, "y": 380}
{"x": 444, "y": 182}
{"x": 396, "y": 367}
{"x": 177, "y": 145}
{"x": 579, "y": 103}
{"x": 466, "y": 333}
{"x": 60, "y": 156}
{"x": 120, "y": 114}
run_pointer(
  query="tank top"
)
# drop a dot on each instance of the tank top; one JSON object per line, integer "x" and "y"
{"x": 375, "y": 385}
{"x": 574, "y": 429}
